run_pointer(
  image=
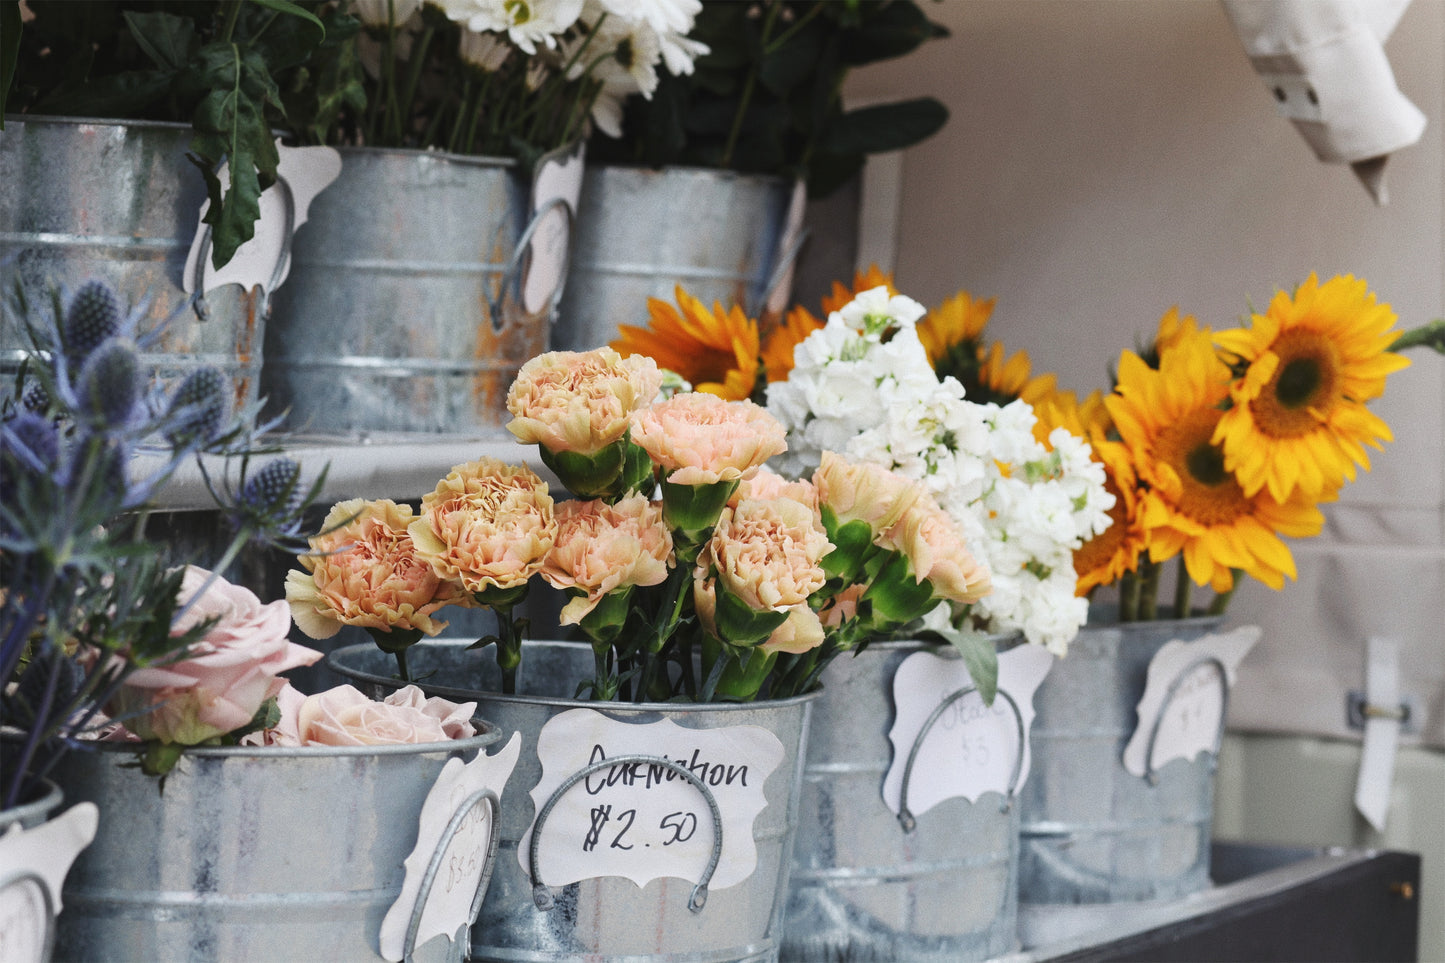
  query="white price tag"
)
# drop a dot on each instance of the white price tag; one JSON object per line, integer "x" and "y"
{"x": 644, "y": 820}
{"x": 971, "y": 748}
{"x": 454, "y": 803}
{"x": 33, "y": 864}
{"x": 1182, "y": 709}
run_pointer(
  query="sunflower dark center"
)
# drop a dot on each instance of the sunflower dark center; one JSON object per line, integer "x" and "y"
{"x": 1206, "y": 464}
{"x": 1298, "y": 381}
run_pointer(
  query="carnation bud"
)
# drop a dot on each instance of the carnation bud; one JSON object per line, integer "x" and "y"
{"x": 110, "y": 382}
{"x": 94, "y": 317}
{"x": 199, "y": 407}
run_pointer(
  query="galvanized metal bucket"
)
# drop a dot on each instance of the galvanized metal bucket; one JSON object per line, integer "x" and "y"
{"x": 1093, "y": 832}
{"x": 116, "y": 201}
{"x": 724, "y": 236}
{"x": 609, "y": 918}
{"x": 865, "y": 887}
{"x": 247, "y": 853}
{"x": 404, "y": 309}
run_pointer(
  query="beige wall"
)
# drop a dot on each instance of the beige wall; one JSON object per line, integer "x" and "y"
{"x": 1106, "y": 159}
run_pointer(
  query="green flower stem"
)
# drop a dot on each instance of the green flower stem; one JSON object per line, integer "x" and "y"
{"x": 1430, "y": 335}
{"x": 413, "y": 76}
{"x": 1149, "y": 592}
{"x": 1129, "y": 597}
{"x": 509, "y": 648}
{"x": 749, "y": 84}
{"x": 1182, "y": 590}
{"x": 401, "y": 668}
{"x": 231, "y": 12}
{"x": 469, "y": 107}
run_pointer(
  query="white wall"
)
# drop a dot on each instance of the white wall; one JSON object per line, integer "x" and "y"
{"x": 1106, "y": 159}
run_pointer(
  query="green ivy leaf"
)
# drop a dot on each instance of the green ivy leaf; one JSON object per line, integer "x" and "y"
{"x": 230, "y": 124}
{"x": 169, "y": 41}
{"x": 291, "y": 9}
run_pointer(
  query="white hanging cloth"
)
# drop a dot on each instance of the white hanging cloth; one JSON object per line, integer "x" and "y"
{"x": 1324, "y": 63}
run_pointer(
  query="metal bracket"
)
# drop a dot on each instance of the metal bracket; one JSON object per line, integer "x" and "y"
{"x": 906, "y": 818}
{"x": 1408, "y": 712}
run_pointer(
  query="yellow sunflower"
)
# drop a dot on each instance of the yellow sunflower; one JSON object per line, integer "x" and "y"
{"x": 862, "y": 281}
{"x": 1088, "y": 419}
{"x": 1003, "y": 379}
{"x": 717, "y": 351}
{"x": 796, "y": 325}
{"x": 1310, "y": 364}
{"x": 1113, "y": 553}
{"x": 1192, "y": 504}
{"x": 955, "y": 327}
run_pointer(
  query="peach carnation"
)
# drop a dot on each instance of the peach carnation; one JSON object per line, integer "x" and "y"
{"x": 925, "y": 535}
{"x": 487, "y": 524}
{"x": 601, "y": 548}
{"x": 767, "y": 484}
{"x": 864, "y": 491}
{"x": 700, "y": 439}
{"x": 580, "y": 401}
{"x": 767, "y": 553}
{"x": 367, "y": 573}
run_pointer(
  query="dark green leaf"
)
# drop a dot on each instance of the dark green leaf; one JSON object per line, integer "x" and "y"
{"x": 884, "y": 127}
{"x": 119, "y": 95}
{"x": 286, "y": 7}
{"x": 9, "y": 49}
{"x": 890, "y": 30}
{"x": 169, "y": 41}
{"x": 828, "y": 172}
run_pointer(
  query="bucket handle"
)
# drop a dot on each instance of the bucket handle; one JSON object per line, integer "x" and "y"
{"x": 494, "y": 806}
{"x": 514, "y": 263}
{"x": 542, "y": 896}
{"x": 905, "y": 815}
{"x": 785, "y": 264}
{"x": 283, "y": 257}
{"x": 1150, "y": 773}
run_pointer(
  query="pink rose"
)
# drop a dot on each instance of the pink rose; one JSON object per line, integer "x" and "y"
{"x": 224, "y": 678}
{"x": 580, "y": 401}
{"x": 700, "y": 439}
{"x": 343, "y": 716}
{"x": 601, "y": 548}
{"x": 487, "y": 524}
{"x": 368, "y": 573}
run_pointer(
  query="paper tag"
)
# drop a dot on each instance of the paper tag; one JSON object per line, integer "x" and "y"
{"x": 1382, "y": 733}
{"x": 971, "y": 748}
{"x": 33, "y": 864}
{"x": 559, "y": 175}
{"x": 645, "y": 821}
{"x": 1189, "y": 721}
{"x": 306, "y": 171}
{"x": 448, "y": 906}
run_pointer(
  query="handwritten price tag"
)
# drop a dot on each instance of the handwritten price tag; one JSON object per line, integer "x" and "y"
{"x": 448, "y": 904}
{"x": 1186, "y": 721}
{"x": 971, "y": 748}
{"x": 643, "y": 820}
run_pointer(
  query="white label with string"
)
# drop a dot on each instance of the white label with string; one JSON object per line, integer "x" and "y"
{"x": 971, "y": 748}
{"x": 1189, "y": 721}
{"x": 645, "y": 820}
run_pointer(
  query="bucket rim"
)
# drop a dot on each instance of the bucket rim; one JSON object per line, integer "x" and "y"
{"x": 39, "y": 808}
{"x": 601, "y": 168}
{"x": 61, "y": 120}
{"x": 450, "y": 692}
{"x": 1108, "y": 619}
{"x": 491, "y": 733}
{"x": 416, "y": 153}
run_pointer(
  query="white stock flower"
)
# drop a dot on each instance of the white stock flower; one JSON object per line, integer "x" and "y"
{"x": 1021, "y": 508}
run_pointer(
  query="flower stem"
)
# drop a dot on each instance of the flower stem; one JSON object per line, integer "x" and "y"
{"x": 1182, "y": 590}
{"x": 401, "y": 665}
{"x": 1221, "y": 599}
{"x": 1129, "y": 597}
{"x": 1149, "y": 592}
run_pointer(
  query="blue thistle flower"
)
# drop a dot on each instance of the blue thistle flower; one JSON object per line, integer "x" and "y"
{"x": 110, "y": 383}
{"x": 32, "y": 441}
{"x": 199, "y": 408}
{"x": 272, "y": 496}
{"x": 93, "y": 318}
{"x": 34, "y": 397}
